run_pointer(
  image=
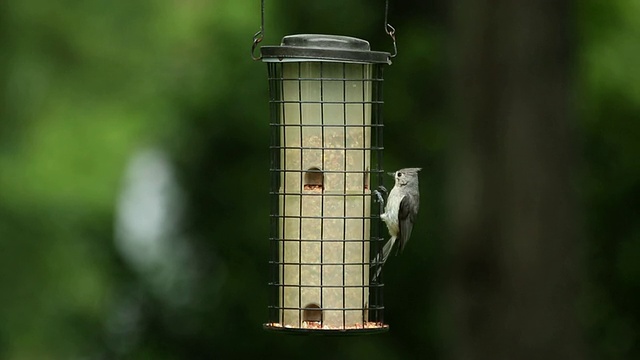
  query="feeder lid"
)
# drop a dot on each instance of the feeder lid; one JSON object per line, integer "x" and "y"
{"x": 314, "y": 47}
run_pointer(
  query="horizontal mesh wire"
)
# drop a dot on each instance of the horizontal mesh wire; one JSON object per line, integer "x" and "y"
{"x": 325, "y": 159}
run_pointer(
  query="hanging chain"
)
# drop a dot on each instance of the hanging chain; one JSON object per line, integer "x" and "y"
{"x": 390, "y": 30}
{"x": 257, "y": 38}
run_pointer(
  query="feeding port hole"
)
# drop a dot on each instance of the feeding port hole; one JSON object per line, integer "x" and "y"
{"x": 314, "y": 179}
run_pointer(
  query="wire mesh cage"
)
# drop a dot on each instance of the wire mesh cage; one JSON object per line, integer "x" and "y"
{"x": 326, "y": 155}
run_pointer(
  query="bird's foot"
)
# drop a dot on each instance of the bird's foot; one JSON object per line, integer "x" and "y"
{"x": 378, "y": 193}
{"x": 379, "y": 198}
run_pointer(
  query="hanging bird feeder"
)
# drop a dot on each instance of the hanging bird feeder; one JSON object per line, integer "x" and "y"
{"x": 326, "y": 155}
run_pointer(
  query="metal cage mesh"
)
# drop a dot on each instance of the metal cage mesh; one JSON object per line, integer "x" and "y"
{"x": 325, "y": 158}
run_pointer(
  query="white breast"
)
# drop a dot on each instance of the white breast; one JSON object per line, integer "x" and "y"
{"x": 390, "y": 216}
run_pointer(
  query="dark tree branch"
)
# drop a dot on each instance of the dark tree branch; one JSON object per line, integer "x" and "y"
{"x": 515, "y": 252}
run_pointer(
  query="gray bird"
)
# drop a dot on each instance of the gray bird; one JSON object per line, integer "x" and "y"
{"x": 399, "y": 213}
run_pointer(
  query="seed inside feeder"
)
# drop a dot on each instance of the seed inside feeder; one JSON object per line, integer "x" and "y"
{"x": 325, "y": 251}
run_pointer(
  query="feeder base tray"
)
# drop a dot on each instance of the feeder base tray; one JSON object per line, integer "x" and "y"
{"x": 312, "y": 327}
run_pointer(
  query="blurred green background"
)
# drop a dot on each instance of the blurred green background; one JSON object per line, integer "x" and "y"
{"x": 134, "y": 176}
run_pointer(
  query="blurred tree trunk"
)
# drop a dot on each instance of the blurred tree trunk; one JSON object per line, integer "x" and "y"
{"x": 516, "y": 259}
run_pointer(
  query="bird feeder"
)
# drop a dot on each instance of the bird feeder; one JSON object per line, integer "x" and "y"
{"x": 325, "y": 158}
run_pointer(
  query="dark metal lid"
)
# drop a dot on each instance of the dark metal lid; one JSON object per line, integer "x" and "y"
{"x": 313, "y": 47}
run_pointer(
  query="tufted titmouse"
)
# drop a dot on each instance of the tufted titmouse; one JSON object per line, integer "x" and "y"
{"x": 399, "y": 213}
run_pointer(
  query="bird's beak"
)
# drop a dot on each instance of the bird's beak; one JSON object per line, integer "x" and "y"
{"x": 391, "y": 173}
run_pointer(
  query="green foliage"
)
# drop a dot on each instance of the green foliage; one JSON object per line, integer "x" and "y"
{"x": 86, "y": 86}
{"x": 610, "y": 105}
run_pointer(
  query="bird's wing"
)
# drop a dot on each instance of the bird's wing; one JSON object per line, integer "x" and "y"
{"x": 406, "y": 218}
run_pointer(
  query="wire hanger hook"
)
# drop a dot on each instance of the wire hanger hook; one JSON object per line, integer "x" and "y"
{"x": 259, "y": 36}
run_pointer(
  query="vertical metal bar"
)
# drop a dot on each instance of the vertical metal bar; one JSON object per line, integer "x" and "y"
{"x": 300, "y": 199}
{"x": 276, "y": 118}
{"x": 380, "y": 120}
{"x": 270, "y": 260}
{"x": 375, "y": 182}
{"x": 322, "y": 197}
{"x": 272, "y": 208}
{"x": 282, "y": 212}
{"x": 376, "y": 300}
{"x": 364, "y": 189}
{"x": 344, "y": 190}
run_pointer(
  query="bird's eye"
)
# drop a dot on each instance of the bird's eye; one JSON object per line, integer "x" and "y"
{"x": 399, "y": 174}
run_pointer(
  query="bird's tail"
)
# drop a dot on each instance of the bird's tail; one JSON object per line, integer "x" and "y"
{"x": 386, "y": 250}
